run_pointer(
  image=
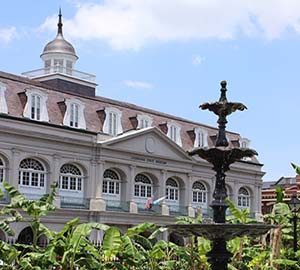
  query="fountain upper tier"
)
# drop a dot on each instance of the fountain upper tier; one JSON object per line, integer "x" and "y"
{"x": 222, "y": 108}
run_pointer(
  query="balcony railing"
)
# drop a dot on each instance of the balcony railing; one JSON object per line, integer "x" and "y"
{"x": 117, "y": 206}
{"x": 176, "y": 210}
{"x": 154, "y": 210}
{"x": 6, "y": 198}
{"x": 60, "y": 70}
{"x": 32, "y": 196}
{"x": 74, "y": 202}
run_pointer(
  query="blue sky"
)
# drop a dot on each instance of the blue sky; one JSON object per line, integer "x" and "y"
{"x": 171, "y": 55}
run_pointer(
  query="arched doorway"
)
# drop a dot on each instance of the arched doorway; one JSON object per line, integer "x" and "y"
{"x": 25, "y": 236}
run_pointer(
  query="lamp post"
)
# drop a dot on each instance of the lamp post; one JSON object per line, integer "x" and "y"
{"x": 294, "y": 205}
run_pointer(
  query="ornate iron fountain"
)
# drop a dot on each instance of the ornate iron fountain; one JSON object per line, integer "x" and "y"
{"x": 221, "y": 156}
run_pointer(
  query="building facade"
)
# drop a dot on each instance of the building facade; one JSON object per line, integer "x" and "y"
{"x": 109, "y": 157}
{"x": 289, "y": 185}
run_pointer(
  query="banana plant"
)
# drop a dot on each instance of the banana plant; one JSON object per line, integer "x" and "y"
{"x": 34, "y": 209}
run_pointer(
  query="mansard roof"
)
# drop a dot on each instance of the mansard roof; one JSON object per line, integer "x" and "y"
{"x": 18, "y": 84}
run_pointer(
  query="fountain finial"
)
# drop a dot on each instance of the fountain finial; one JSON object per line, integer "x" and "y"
{"x": 223, "y": 92}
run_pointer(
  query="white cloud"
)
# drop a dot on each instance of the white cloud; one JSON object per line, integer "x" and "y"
{"x": 198, "y": 60}
{"x": 7, "y": 34}
{"x": 138, "y": 84}
{"x": 131, "y": 24}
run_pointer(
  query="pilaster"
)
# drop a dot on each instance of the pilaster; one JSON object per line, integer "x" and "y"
{"x": 14, "y": 168}
{"x": 96, "y": 202}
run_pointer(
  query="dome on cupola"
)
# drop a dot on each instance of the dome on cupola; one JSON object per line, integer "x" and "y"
{"x": 59, "y": 45}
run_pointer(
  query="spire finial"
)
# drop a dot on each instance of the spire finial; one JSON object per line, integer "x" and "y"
{"x": 59, "y": 25}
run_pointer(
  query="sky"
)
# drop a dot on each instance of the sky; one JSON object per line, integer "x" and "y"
{"x": 170, "y": 55}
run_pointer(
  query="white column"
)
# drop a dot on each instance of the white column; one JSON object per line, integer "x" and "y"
{"x": 188, "y": 195}
{"x": 97, "y": 203}
{"x": 162, "y": 191}
{"x": 162, "y": 184}
{"x": 130, "y": 191}
{"x": 54, "y": 175}
{"x": 236, "y": 188}
{"x": 14, "y": 168}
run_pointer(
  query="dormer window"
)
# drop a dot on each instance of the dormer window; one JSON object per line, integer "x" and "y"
{"x": 3, "y": 105}
{"x": 36, "y": 107}
{"x": 144, "y": 121}
{"x": 200, "y": 137}
{"x": 174, "y": 133}
{"x": 74, "y": 116}
{"x": 244, "y": 143}
{"x": 112, "y": 124}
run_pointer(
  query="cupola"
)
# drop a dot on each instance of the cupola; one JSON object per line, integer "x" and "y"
{"x": 59, "y": 54}
{"x": 59, "y": 59}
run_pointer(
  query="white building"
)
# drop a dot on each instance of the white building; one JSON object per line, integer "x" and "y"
{"x": 108, "y": 156}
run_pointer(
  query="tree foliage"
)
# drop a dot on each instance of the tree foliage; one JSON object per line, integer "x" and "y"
{"x": 141, "y": 247}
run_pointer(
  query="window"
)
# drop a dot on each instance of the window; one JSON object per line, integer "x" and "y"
{"x": 111, "y": 183}
{"x": 74, "y": 116}
{"x": 142, "y": 186}
{"x": 244, "y": 142}
{"x": 3, "y": 105}
{"x": 174, "y": 133}
{"x": 70, "y": 178}
{"x": 31, "y": 173}
{"x": 58, "y": 65}
{"x": 47, "y": 66}
{"x": 199, "y": 193}
{"x": 36, "y": 107}
{"x": 172, "y": 190}
{"x": 69, "y": 67}
{"x": 243, "y": 198}
{"x": 200, "y": 137}
{"x": 112, "y": 124}
{"x": 2, "y": 170}
{"x": 144, "y": 121}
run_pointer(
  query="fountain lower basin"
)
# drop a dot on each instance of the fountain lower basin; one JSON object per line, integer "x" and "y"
{"x": 225, "y": 231}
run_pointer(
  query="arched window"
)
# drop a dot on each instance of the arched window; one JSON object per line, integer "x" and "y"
{"x": 172, "y": 190}
{"x": 32, "y": 173}
{"x": 2, "y": 170}
{"x": 111, "y": 183}
{"x": 142, "y": 186}
{"x": 2, "y": 235}
{"x": 243, "y": 198}
{"x": 70, "y": 178}
{"x": 199, "y": 193}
